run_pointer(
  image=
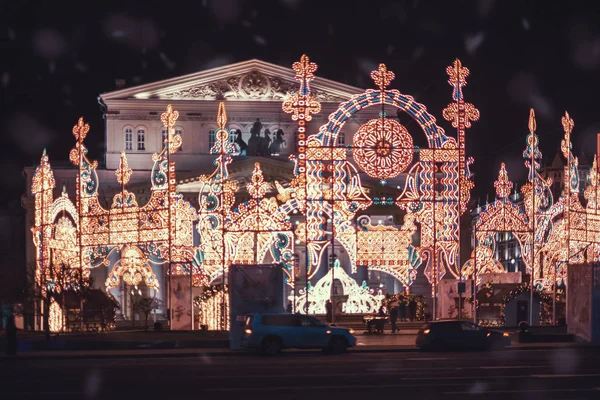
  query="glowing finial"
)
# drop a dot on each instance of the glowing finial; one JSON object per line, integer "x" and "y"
{"x": 169, "y": 117}
{"x": 80, "y": 130}
{"x": 257, "y": 188}
{"x": 457, "y": 78}
{"x": 222, "y": 116}
{"x": 304, "y": 68}
{"x": 382, "y": 77}
{"x": 567, "y": 123}
{"x": 532, "y": 124}
{"x": 123, "y": 172}
{"x": 503, "y": 185}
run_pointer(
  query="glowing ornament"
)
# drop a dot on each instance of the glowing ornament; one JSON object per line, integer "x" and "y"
{"x": 383, "y": 148}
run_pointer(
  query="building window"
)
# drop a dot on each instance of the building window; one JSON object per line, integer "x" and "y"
{"x": 212, "y": 138}
{"x": 179, "y": 131}
{"x": 341, "y": 139}
{"x": 141, "y": 139}
{"x": 232, "y": 136}
{"x": 128, "y": 139}
{"x": 163, "y": 136}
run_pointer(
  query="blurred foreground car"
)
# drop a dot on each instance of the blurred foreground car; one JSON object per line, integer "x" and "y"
{"x": 270, "y": 333}
{"x": 453, "y": 334}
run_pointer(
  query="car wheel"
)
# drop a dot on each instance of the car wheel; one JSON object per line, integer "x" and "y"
{"x": 438, "y": 345}
{"x": 338, "y": 345}
{"x": 271, "y": 346}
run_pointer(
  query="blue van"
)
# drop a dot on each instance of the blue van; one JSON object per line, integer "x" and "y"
{"x": 270, "y": 333}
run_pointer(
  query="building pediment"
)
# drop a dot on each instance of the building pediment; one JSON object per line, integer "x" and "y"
{"x": 252, "y": 80}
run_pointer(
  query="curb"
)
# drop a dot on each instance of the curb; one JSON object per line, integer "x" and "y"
{"x": 230, "y": 353}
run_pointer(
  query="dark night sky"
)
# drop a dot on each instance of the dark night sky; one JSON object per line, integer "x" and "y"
{"x": 58, "y": 56}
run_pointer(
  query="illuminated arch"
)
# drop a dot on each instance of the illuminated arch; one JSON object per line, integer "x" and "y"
{"x": 328, "y": 133}
{"x": 64, "y": 205}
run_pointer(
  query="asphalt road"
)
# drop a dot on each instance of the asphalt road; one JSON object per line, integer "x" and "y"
{"x": 560, "y": 373}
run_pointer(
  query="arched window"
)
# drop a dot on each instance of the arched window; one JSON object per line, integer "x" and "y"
{"x": 141, "y": 139}
{"x": 128, "y": 139}
{"x": 212, "y": 138}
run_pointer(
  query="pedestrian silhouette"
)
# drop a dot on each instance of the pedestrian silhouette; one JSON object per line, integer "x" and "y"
{"x": 11, "y": 336}
{"x": 412, "y": 309}
{"x": 328, "y": 310}
{"x": 394, "y": 318}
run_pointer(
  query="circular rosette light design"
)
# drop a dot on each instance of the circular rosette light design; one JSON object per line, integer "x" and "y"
{"x": 383, "y": 148}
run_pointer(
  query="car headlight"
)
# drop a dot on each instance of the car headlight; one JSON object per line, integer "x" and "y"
{"x": 351, "y": 331}
{"x": 506, "y": 334}
{"x": 426, "y": 331}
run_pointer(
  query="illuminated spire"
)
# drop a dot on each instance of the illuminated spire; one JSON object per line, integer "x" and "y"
{"x": 532, "y": 151}
{"x": 457, "y": 75}
{"x": 222, "y": 116}
{"x": 222, "y": 144}
{"x": 567, "y": 123}
{"x": 503, "y": 185}
{"x": 532, "y": 125}
{"x": 123, "y": 172}
{"x": 169, "y": 118}
{"x": 80, "y": 131}
{"x": 304, "y": 73}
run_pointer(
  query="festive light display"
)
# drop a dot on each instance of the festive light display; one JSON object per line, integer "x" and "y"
{"x": 84, "y": 235}
{"x": 246, "y": 233}
{"x": 556, "y": 232}
{"x": 360, "y": 298}
{"x": 326, "y": 189}
{"x": 383, "y": 149}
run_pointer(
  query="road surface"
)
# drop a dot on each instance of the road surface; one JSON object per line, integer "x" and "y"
{"x": 562, "y": 373}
